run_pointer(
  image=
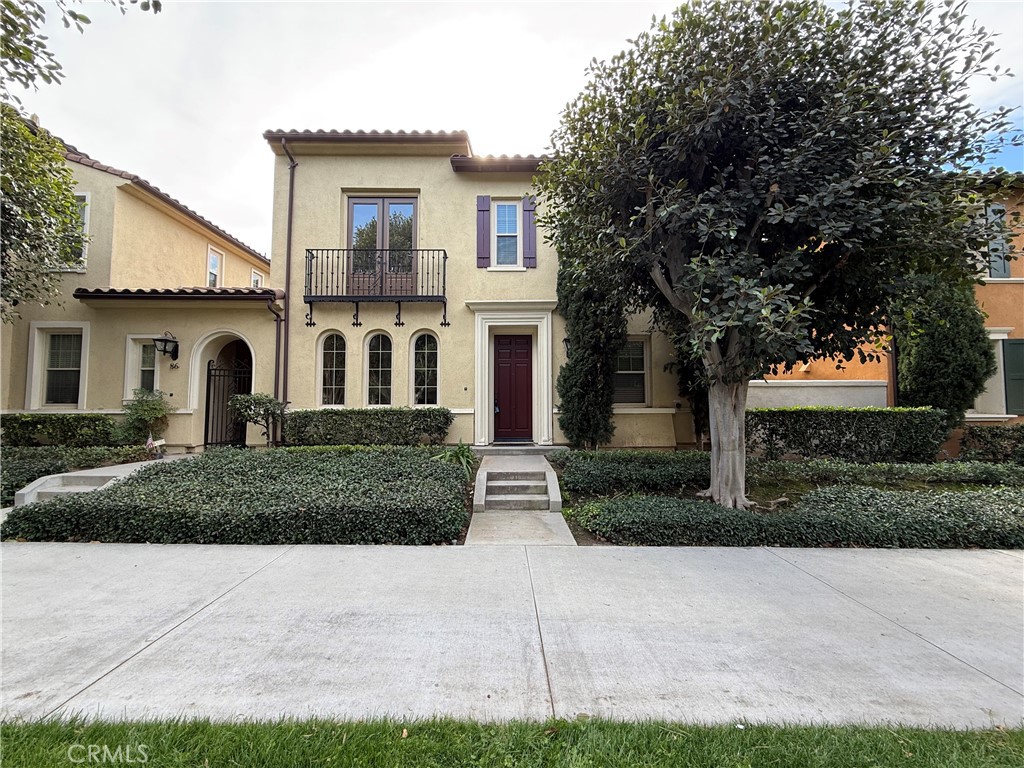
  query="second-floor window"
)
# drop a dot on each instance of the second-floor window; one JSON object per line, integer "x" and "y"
{"x": 508, "y": 250}
{"x": 82, "y": 251}
{"x": 214, "y": 265}
{"x": 257, "y": 279}
{"x": 998, "y": 248}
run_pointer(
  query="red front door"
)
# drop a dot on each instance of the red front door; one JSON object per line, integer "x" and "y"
{"x": 513, "y": 388}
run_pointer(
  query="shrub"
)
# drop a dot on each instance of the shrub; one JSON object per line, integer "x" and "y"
{"x": 20, "y": 466}
{"x": 830, "y": 472}
{"x": 382, "y": 496}
{"x": 264, "y": 411}
{"x": 855, "y": 434}
{"x": 144, "y": 415}
{"x": 1004, "y": 443}
{"x": 603, "y": 472}
{"x": 74, "y": 430}
{"x": 944, "y": 353}
{"x": 367, "y": 426}
{"x": 829, "y": 517}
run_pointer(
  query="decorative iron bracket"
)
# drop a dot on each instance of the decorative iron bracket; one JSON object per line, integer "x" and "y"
{"x": 398, "y": 315}
{"x": 444, "y": 314}
{"x": 355, "y": 317}
{"x": 309, "y": 316}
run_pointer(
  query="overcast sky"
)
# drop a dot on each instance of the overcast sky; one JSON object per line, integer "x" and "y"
{"x": 182, "y": 97}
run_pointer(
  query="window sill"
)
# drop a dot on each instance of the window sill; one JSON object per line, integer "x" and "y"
{"x": 639, "y": 410}
{"x": 509, "y": 268}
{"x": 1001, "y": 280}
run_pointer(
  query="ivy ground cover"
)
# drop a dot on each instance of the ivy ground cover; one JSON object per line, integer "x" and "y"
{"x": 364, "y": 496}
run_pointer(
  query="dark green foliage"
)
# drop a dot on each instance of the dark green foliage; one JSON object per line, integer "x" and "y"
{"x": 595, "y": 325}
{"x": 829, "y": 472}
{"x": 382, "y": 496}
{"x": 461, "y": 455}
{"x": 367, "y": 426}
{"x": 594, "y": 473}
{"x": 20, "y": 466}
{"x": 854, "y": 434}
{"x": 829, "y": 517}
{"x": 691, "y": 377}
{"x": 1003, "y": 443}
{"x": 944, "y": 355}
{"x": 265, "y": 411}
{"x": 144, "y": 415}
{"x": 73, "y": 430}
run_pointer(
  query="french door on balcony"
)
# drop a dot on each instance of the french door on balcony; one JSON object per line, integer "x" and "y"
{"x": 382, "y": 238}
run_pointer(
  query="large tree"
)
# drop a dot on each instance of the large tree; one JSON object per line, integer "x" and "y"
{"x": 41, "y": 232}
{"x": 772, "y": 172}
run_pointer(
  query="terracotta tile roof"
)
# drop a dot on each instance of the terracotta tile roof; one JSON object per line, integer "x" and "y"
{"x": 196, "y": 292}
{"x": 333, "y": 135}
{"x": 75, "y": 155}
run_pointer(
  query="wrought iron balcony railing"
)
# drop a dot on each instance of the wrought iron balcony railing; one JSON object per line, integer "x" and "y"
{"x": 357, "y": 275}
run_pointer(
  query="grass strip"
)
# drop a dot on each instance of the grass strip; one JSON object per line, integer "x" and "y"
{"x": 447, "y": 743}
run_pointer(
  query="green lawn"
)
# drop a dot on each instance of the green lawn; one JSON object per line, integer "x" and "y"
{"x": 446, "y": 743}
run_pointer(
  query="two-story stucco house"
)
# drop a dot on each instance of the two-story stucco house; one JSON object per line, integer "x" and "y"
{"x": 406, "y": 271}
{"x": 154, "y": 269}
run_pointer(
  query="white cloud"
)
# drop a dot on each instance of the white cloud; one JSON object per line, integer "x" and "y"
{"x": 182, "y": 98}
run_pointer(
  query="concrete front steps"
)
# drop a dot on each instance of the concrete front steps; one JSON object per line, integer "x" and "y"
{"x": 517, "y": 502}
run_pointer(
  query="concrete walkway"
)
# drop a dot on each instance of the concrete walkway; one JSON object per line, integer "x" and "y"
{"x": 714, "y": 635}
{"x": 500, "y": 518}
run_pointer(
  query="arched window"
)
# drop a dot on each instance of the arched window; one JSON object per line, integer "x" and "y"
{"x": 424, "y": 370}
{"x": 378, "y": 371}
{"x": 333, "y": 382}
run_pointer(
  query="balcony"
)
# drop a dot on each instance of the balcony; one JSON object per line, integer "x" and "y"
{"x": 357, "y": 275}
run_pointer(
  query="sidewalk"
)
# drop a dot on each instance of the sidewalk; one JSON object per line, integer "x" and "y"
{"x": 929, "y": 638}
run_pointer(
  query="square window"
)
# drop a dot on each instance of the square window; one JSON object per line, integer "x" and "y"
{"x": 257, "y": 279}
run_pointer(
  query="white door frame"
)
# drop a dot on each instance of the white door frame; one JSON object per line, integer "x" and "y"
{"x": 493, "y": 317}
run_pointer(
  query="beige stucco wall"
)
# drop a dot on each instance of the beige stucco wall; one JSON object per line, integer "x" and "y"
{"x": 155, "y": 246}
{"x": 446, "y": 218}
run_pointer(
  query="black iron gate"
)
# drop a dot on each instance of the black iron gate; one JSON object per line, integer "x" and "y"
{"x": 221, "y": 383}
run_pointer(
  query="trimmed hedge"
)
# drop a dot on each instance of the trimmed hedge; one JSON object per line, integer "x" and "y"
{"x": 382, "y": 496}
{"x": 20, "y": 466}
{"x": 1002, "y": 443}
{"x": 367, "y": 426}
{"x": 602, "y": 472}
{"x": 72, "y": 430}
{"x": 597, "y": 473}
{"x": 864, "y": 435}
{"x": 828, "y": 517}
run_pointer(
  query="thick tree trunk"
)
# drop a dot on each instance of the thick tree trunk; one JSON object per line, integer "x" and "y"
{"x": 727, "y": 404}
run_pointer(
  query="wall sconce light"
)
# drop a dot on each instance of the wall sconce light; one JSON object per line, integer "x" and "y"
{"x": 565, "y": 343}
{"x": 167, "y": 345}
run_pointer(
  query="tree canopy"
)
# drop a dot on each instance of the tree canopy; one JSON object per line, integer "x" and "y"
{"x": 42, "y": 228}
{"x": 774, "y": 172}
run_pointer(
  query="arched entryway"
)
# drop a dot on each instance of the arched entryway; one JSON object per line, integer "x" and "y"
{"x": 228, "y": 373}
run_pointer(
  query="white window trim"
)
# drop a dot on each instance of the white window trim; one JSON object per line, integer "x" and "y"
{"x": 35, "y": 384}
{"x": 210, "y": 251}
{"x": 412, "y": 370}
{"x": 366, "y": 370}
{"x": 646, "y": 404}
{"x": 518, "y": 266}
{"x": 133, "y": 361}
{"x": 261, "y": 276}
{"x": 85, "y": 234}
{"x": 319, "y": 382}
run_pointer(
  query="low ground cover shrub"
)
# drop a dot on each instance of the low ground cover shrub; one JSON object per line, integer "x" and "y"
{"x": 382, "y": 496}
{"x": 854, "y": 434}
{"x": 367, "y": 426}
{"x": 827, "y": 517}
{"x": 599, "y": 473}
{"x": 593, "y": 473}
{"x": 997, "y": 443}
{"x": 73, "y": 430}
{"x": 20, "y": 466}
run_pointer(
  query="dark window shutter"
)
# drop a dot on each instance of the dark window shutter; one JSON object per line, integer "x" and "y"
{"x": 1013, "y": 369}
{"x": 529, "y": 233}
{"x": 483, "y": 231}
